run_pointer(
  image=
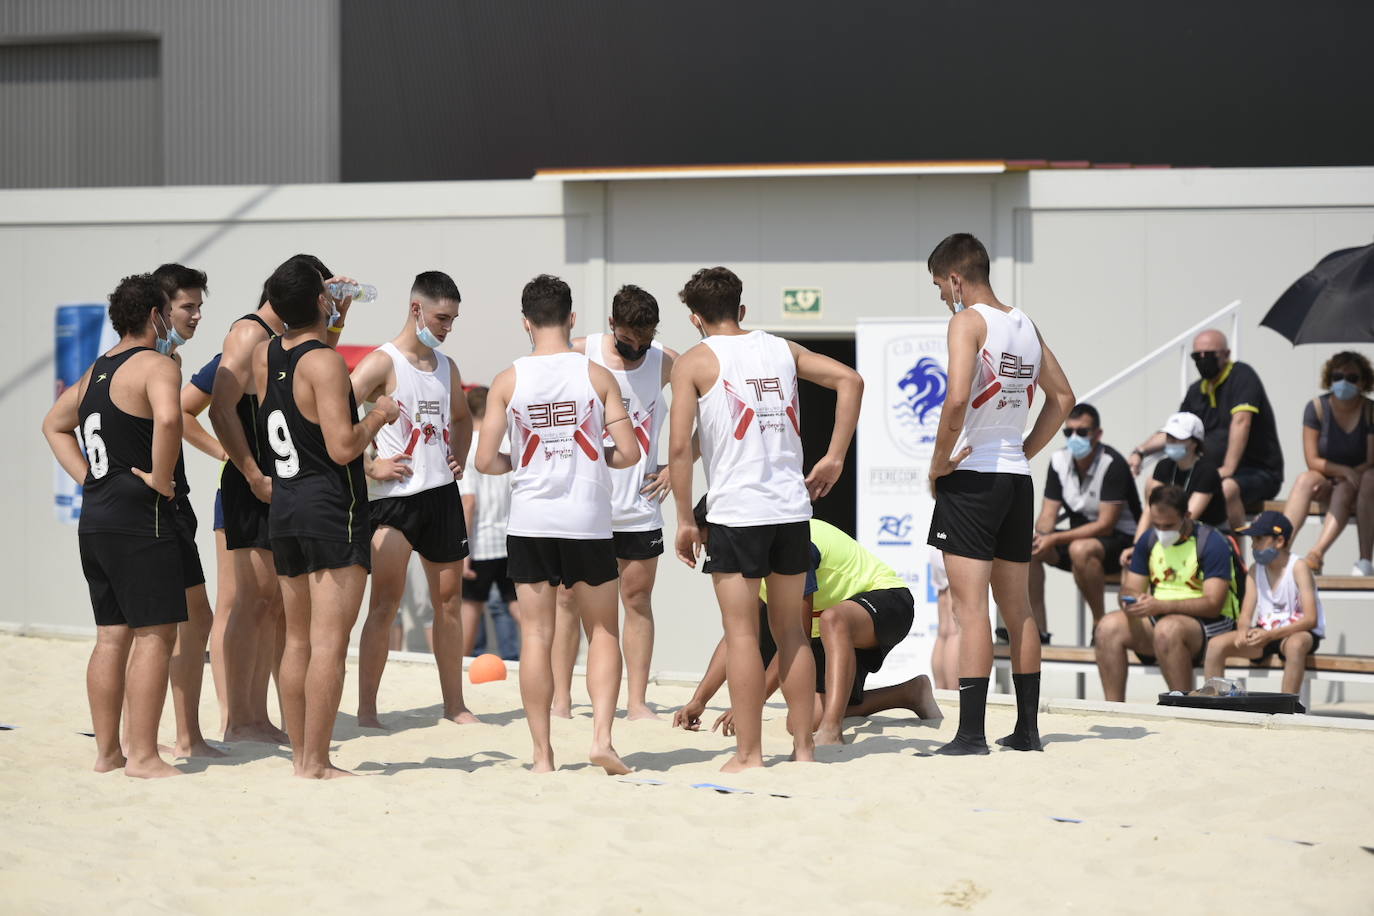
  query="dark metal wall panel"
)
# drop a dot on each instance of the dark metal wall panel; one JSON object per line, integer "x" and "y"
{"x": 86, "y": 115}
{"x": 497, "y": 88}
{"x": 249, "y": 88}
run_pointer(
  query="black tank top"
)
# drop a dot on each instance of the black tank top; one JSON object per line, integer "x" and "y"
{"x": 311, "y": 495}
{"x": 113, "y": 499}
{"x": 247, "y": 410}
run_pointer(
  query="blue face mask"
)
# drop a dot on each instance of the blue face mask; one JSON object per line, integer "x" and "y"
{"x": 1266, "y": 556}
{"x": 165, "y": 345}
{"x": 426, "y": 336}
{"x": 1175, "y": 452}
{"x": 1080, "y": 446}
{"x": 1344, "y": 390}
{"x": 956, "y": 300}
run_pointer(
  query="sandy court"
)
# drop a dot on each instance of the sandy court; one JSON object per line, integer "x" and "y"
{"x": 1172, "y": 814}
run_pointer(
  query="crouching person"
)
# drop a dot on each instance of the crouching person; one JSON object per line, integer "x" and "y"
{"x": 1178, "y": 594}
{"x": 1282, "y": 611}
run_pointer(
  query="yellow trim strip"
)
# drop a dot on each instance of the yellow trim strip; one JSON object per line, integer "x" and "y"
{"x": 1250, "y": 407}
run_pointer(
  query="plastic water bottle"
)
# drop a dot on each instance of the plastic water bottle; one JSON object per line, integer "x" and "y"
{"x": 361, "y": 292}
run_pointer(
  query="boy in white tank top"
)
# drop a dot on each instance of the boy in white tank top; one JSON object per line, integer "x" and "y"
{"x": 413, "y": 492}
{"x": 980, "y": 475}
{"x": 641, "y": 367}
{"x": 1282, "y": 612}
{"x": 740, "y": 389}
{"x": 557, "y": 406}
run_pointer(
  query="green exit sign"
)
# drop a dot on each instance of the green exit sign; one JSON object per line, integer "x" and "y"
{"x": 802, "y": 302}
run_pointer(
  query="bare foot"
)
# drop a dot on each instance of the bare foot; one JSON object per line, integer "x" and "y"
{"x": 921, "y": 699}
{"x": 803, "y": 753}
{"x": 542, "y": 764}
{"x": 736, "y": 764}
{"x": 609, "y": 760}
{"x": 264, "y": 734}
{"x": 559, "y": 711}
{"x": 108, "y": 764}
{"x": 328, "y": 771}
{"x": 641, "y": 712}
{"x": 366, "y": 720}
{"x": 156, "y": 768}
{"x": 197, "y": 749}
{"x": 827, "y": 736}
{"x": 462, "y": 717}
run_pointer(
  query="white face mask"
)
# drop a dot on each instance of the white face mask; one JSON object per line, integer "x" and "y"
{"x": 956, "y": 299}
{"x": 1167, "y": 538}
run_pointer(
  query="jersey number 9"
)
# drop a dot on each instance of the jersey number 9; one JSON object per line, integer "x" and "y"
{"x": 288, "y": 461}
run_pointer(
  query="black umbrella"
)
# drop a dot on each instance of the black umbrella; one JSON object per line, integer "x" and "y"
{"x": 1331, "y": 303}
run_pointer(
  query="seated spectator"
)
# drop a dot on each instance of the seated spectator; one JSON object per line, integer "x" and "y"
{"x": 1238, "y": 424}
{"x": 1178, "y": 594}
{"x": 1338, "y": 442}
{"x": 859, "y": 609}
{"x": 1282, "y": 611}
{"x": 1090, "y": 485}
{"x": 1185, "y": 465}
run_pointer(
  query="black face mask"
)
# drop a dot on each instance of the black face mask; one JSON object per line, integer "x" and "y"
{"x": 1208, "y": 366}
{"x": 628, "y": 352}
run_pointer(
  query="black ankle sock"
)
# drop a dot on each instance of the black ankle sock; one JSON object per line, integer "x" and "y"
{"x": 1026, "y": 735}
{"x": 973, "y": 704}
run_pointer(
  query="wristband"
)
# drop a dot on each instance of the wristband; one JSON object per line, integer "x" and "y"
{"x": 337, "y": 329}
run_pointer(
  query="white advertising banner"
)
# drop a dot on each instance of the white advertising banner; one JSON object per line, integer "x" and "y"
{"x": 904, "y": 366}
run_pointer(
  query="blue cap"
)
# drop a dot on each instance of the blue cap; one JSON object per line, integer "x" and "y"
{"x": 1269, "y": 523}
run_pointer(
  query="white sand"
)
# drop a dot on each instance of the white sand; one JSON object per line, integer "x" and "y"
{"x": 448, "y": 817}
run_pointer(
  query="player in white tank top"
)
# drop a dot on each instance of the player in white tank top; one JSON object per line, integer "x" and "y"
{"x": 556, "y": 405}
{"x": 983, "y": 519}
{"x": 1282, "y": 611}
{"x": 641, "y": 366}
{"x": 412, "y": 490}
{"x": 740, "y": 390}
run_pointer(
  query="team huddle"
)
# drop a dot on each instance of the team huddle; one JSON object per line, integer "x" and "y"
{"x": 315, "y": 496}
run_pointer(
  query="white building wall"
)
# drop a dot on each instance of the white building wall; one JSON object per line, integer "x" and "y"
{"x": 1110, "y": 264}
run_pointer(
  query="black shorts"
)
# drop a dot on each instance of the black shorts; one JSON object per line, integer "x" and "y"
{"x": 1211, "y": 628}
{"x": 431, "y": 520}
{"x": 489, "y": 573}
{"x": 192, "y": 573}
{"x": 1275, "y": 647}
{"x": 245, "y": 517}
{"x": 1113, "y": 542}
{"x": 759, "y": 551}
{"x": 1256, "y": 484}
{"x": 134, "y": 581}
{"x": 296, "y": 556}
{"x": 638, "y": 545}
{"x": 984, "y": 516}
{"x": 561, "y": 561}
{"x": 893, "y": 611}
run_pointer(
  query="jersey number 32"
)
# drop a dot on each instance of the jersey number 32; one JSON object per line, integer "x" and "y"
{"x": 288, "y": 461}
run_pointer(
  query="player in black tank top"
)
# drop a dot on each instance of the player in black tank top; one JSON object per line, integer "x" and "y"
{"x": 245, "y": 516}
{"x": 130, "y": 554}
{"x": 312, "y": 495}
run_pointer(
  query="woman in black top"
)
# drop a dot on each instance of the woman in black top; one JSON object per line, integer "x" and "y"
{"x": 1338, "y": 443}
{"x": 1184, "y": 465}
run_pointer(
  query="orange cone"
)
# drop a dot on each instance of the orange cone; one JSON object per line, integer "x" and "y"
{"x": 487, "y": 668}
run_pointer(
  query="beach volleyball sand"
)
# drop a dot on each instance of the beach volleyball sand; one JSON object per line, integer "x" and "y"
{"x": 1157, "y": 816}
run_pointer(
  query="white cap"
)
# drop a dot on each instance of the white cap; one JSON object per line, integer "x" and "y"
{"x": 1183, "y": 426}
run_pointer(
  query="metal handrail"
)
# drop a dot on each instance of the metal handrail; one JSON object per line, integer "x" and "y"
{"x": 1181, "y": 340}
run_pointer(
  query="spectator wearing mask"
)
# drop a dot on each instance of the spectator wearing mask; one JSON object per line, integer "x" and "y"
{"x": 1238, "y": 424}
{"x": 1186, "y": 465}
{"x": 1338, "y": 443}
{"x": 1090, "y": 485}
{"x": 1177, "y": 596}
{"x": 1282, "y": 611}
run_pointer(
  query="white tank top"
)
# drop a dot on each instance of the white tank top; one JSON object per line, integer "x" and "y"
{"x": 1277, "y": 606}
{"x": 422, "y": 429}
{"x": 750, "y": 425}
{"x": 641, "y": 389}
{"x": 1004, "y": 377}
{"x": 562, "y": 485}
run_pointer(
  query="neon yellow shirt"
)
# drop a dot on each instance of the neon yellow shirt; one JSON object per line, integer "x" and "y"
{"x": 842, "y": 569}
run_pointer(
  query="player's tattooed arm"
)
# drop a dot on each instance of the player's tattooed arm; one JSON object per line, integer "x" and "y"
{"x": 624, "y": 451}
{"x": 59, "y": 428}
{"x": 489, "y": 459}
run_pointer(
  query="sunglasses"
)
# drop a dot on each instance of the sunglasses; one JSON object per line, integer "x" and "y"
{"x": 1085, "y": 433}
{"x": 1200, "y": 354}
{"x": 1352, "y": 377}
